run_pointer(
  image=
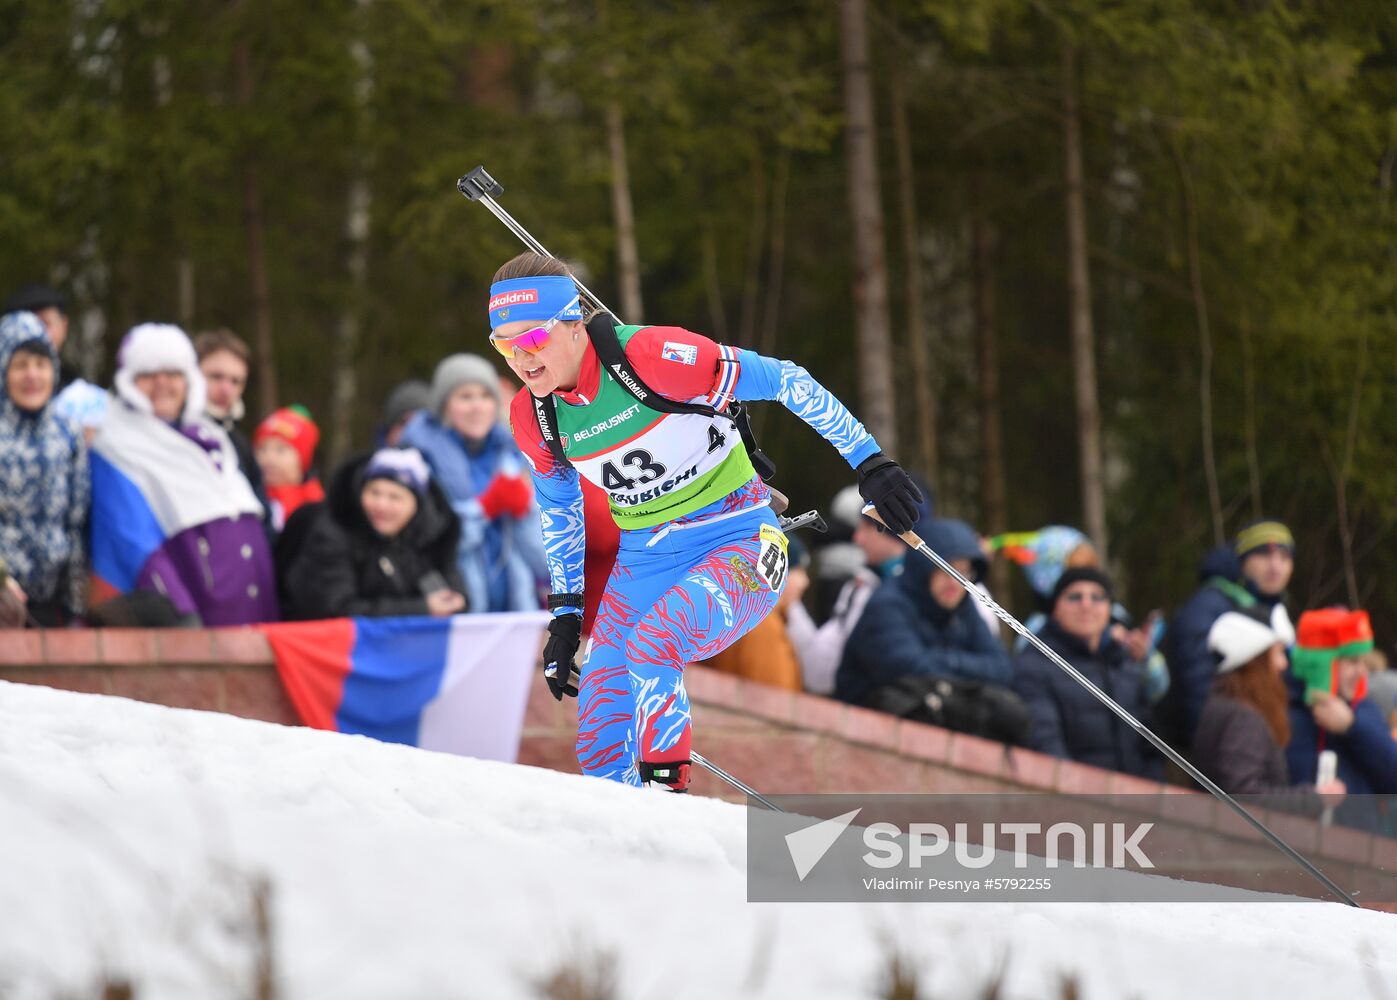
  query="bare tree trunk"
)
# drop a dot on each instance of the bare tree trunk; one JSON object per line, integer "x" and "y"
{"x": 776, "y": 261}
{"x": 917, "y": 332}
{"x": 1205, "y": 348}
{"x": 622, "y": 210}
{"x": 712, "y": 283}
{"x": 1346, "y": 526}
{"x": 1079, "y": 292}
{"x": 1249, "y": 418}
{"x": 349, "y": 330}
{"x": 163, "y": 82}
{"x": 756, "y": 240}
{"x": 994, "y": 507}
{"x": 255, "y": 223}
{"x": 876, "y": 388}
{"x": 357, "y": 216}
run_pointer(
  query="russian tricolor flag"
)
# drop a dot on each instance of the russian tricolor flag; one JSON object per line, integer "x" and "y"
{"x": 456, "y": 685}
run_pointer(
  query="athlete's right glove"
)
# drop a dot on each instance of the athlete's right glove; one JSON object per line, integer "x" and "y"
{"x": 884, "y": 484}
{"x": 564, "y": 636}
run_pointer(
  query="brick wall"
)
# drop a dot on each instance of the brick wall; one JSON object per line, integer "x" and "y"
{"x": 778, "y": 741}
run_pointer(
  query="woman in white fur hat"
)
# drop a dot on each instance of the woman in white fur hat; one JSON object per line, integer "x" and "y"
{"x": 171, "y": 510}
{"x": 1242, "y": 733}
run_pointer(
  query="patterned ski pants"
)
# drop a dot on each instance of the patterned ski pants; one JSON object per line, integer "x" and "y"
{"x": 678, "y": 593}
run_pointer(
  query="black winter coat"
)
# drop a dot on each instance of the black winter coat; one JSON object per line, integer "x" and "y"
{"x": 342, "y": 567}
{"x": 1234, "y": 747}
{"x": 903, "y": 632}
{"x": 1068, "y": 721}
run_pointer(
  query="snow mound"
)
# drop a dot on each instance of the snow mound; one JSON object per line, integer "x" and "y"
{"x": 132, "y": 838}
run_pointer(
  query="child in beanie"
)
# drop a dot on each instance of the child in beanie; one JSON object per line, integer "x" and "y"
{"x": 284, "y": 444}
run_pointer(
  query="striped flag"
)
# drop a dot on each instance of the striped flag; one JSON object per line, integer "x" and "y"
{"x": 456, "y": 685}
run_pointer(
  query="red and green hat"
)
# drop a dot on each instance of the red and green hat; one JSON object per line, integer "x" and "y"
{"x": 1324, "y": 636}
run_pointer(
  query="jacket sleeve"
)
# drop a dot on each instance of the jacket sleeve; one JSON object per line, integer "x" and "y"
{"x": 1371, "y": 748}
{"x": 558, "y": 490}
{"x": 323, "y": 584}
{"x": 1241, "y": 768}
{"x": 821, "y": 647}
{"x": 1033, "y": 680}
{"x": 892, "y": 645}
{"x": 760, "y": 377}
{"x": 79, "y": 501}
{"x": 1190, "y": 664}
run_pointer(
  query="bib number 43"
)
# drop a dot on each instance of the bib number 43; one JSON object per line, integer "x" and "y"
{"x": 641, "y": 462}
{"x": 772, "y": 558}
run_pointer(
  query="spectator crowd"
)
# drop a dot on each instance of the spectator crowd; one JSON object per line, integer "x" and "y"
{"x": 149, "y": 504}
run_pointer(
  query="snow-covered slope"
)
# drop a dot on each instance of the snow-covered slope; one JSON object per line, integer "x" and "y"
{"x": 130, "y": 834}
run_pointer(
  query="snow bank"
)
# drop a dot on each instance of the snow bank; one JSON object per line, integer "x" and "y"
{"x": 130, "y": 835}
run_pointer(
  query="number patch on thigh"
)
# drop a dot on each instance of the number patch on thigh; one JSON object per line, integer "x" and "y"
{"x": 773, "y": 556}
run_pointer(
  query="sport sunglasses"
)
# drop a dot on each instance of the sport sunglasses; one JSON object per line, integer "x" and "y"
{"x": 532, "y": 341}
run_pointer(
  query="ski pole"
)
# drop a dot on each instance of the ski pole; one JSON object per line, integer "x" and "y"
{"x": 915, "y": 542}
{"x": 741, "y": 786}
{"x": 480, "y": 186}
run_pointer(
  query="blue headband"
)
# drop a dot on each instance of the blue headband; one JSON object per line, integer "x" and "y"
{"x": 539, "y": 298}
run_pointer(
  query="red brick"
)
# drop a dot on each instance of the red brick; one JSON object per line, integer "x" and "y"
{"x": 1345, "y": 844}
{"x": 814, "y": 712}
{"x": 1373, "y": 890}
{"x": 71, "y": 645}
{"x": 127, "y": 645}
{"x": 783, "y": 762}
{"x": 192, "y": 646}
{"x": 930, "y": 743}
{"x": 87, "y": 680}
{"x": 947, "y": 781}
{"x": 1079, "y": 779}
{"x": 1229, "y": 823}
{"x": 982, "y": 757}
{"x": 1197, "y": 809}
{"x": 875, "y": 729}
{"x": 768, "y": 702}
{"x": 240, "y": 645}
{"x": 543, "y": 715}
{"x": 1384, "y": 856}
{"x": 1128, "y": 784}
{"x": 711, "y": 686}
{"x": 846, "y": 768}
{"x": 549, "y": 751}
{"x": 708, "y": 718}
{"x": 177, "y": 687}
{"x": 254, "y": 692}
{"x": 21, "y": 646}
{"x": 1036, "y": 770}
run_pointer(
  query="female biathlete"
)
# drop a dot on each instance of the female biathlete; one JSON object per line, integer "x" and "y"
{"x": 701, "y": 559}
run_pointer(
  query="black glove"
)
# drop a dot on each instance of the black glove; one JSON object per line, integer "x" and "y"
{"x": 891, "y": 491}
{"x": 564, "y": 636}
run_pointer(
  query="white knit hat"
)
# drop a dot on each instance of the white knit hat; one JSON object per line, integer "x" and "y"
{"x": 1237, "y": 638}
{"x": 159, "y": 347}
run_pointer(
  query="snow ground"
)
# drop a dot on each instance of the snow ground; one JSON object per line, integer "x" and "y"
{"x": 130, "y": 833}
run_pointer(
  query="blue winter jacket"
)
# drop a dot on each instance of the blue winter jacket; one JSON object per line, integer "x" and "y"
{"x": 1069, "y": 722}
{"x": 1367, "y": 758}
{"x": 903, "y": 631}
{"x": 501, "y": 560}
{"x": 1192, "y": 666}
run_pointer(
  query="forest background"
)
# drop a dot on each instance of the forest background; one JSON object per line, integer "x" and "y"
{"x": 1122, "y": 265}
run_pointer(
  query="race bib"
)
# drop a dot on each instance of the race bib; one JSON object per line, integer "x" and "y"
{"x": 773, "y": 556}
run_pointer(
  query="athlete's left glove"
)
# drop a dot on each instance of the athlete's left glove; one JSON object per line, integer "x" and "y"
{"x": 884, "y": 484}
{"x": 564, "y": 636}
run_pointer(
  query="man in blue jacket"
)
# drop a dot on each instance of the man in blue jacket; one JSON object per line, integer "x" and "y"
{"x": 921, "y": 623}
{"x": 1254, "y": 571}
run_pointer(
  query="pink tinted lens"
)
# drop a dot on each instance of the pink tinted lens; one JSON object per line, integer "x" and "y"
{"x": 531, "y": 341}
